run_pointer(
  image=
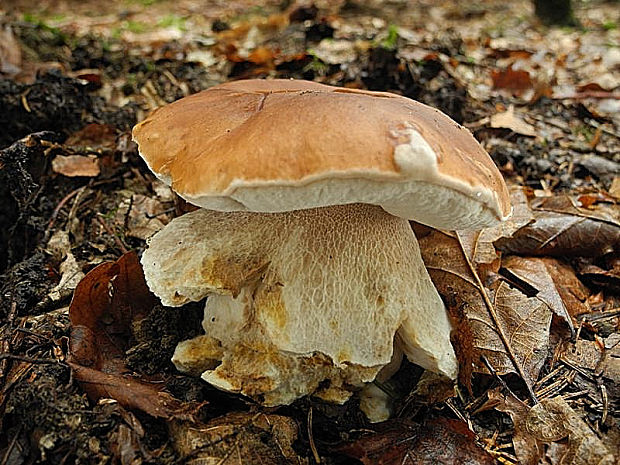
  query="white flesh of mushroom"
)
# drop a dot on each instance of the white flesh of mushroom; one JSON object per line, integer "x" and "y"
{"x": 300, "y": 302}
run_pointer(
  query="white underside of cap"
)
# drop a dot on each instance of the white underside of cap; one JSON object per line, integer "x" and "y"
{"x": 415, "y": 200}
{"x": 420, "y": 192}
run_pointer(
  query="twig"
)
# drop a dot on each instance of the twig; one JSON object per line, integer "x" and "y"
{"x": 23, "y": 358}
{"x": 111, "y": 233}
{"x": 61, "y": 204}
{"x": 598, "y": 125}
{"x": 9, "y": 449}
{"x": 315, "y": 453}
{"x": 605, "y": 400}
{"x": 5, "y": 344}
{"x": 589, "y": 94}
{"x": 495, "y": 319}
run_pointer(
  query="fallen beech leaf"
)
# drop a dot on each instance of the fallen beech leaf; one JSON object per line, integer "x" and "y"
{"x": 560, "y": 228}
{"x": 524, "y": 321}
{"x": 76, "y": 165}
{"x": 516, "y": 80}
{"x": 614, "y": 190}
{"x": 604, "y": 278}
{"x": 552, "y": 282}
{"x": 104, "y": 305}
{"x": 93, "y": 135}
{"x": 132, "y": 393}
{"x": 238, "y": 438}
{"x": 583, "y": 354}
{"x": 508, "y": 120}
{"x": 398, "y": 442}
{"x": 105, "y": 302}
{"x": 146, "y": 216}
{"x": 10, "y": 52}
{"x": 551, "y": 421}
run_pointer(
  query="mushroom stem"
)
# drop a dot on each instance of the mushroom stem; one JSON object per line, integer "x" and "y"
{"x": 300, "y": 298}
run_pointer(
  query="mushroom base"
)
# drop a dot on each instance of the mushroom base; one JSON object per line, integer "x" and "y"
{"x": 300, "y": 302}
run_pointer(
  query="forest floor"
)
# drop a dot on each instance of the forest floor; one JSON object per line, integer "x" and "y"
{"x": 85, "y": 371}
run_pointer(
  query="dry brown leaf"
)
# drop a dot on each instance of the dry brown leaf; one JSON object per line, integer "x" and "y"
{"x": 238, "y": 438}
{"x": 551, "y": 281}
{"x": 511, "y": 79}
{"x": 525, "y": 321}
{"x": 132, "y": 393}
{"x": 94, "y": 136}
{"x": 10, "y": 52}
{"x": 552, "y": 421}
{"x": 608, "y": 279}
{"x": 103, "y": 308}
{"x": 614, "y": 190}
{"x": 561, "y": 228}
{"x": 146, "y": 216}
{"x": 76, "y": 165}
{"x": 508, "y": 120}
{"x": 438, "y": 442}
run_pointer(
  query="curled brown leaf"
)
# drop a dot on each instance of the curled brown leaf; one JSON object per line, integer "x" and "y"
{"x": 105, "y": 303}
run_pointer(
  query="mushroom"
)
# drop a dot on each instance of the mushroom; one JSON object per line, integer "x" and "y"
{"x": 314, "y": 277}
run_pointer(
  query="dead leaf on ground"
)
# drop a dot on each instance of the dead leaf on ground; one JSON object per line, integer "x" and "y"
{"x": 94, "y": 136}
{"x": 614, "y": 190}
{"x": 439, "y": 441}
{"x": 76, "y": 165}
{"x": 553, "y": 421}
{"x": 104, "y": 305}
{"x": 10, "y": 52}
{"x": 511, "y": 79}
{"x": 562, "y": 228}
{"x": 525, "y": 321}
{"x": 238, "y": 438}
{"x": 146, "y": 216}
{"x": 508, "y": 120}
{"x": 607, "y": 278}
{"x": 551, "y": 281}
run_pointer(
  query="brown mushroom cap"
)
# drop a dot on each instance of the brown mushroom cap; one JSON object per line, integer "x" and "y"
{"x": 282, "y": 145}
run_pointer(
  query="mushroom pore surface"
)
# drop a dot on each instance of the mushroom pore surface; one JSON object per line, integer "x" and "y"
{"x": 299, "y": 299}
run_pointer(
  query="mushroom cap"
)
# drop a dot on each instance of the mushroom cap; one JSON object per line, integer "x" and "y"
{"x": 282, "y": 145}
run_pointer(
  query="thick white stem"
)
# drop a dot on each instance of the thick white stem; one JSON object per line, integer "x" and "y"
{"x": 301, "y": 298}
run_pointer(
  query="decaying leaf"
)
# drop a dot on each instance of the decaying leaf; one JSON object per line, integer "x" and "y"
{"x": 400, "y": 442}
{"x": 551, "y": 281}
{"x": 10, "y": 52}
{"x": 237, "y": 439}
{"x": 553, "y": 421}
{"x": 524, "y": 321}
{"x": 146, "y": 216}
{"x": 93, "y": 136}
{"x": 562, "y": 228}
{"x": 515, "y": 80}
{"x": 76, "y": 165}
{"x": 105, "y": 303}
{"x": 508, "y": 120}
{"x": 608, "y": 279}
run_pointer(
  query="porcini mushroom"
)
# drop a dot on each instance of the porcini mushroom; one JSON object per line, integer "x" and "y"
{"x": 302, "y": 244}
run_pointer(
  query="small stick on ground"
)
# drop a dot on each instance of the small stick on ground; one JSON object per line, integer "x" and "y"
{"x": 107, "y": 228}
{"x": 315, "y": 453}
{"x": 5, "y": 341}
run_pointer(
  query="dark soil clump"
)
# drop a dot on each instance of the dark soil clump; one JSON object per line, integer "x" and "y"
{"x": 54, "y": 103}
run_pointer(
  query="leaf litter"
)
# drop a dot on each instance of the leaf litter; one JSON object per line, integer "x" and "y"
{"x": 542, "y": 101}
